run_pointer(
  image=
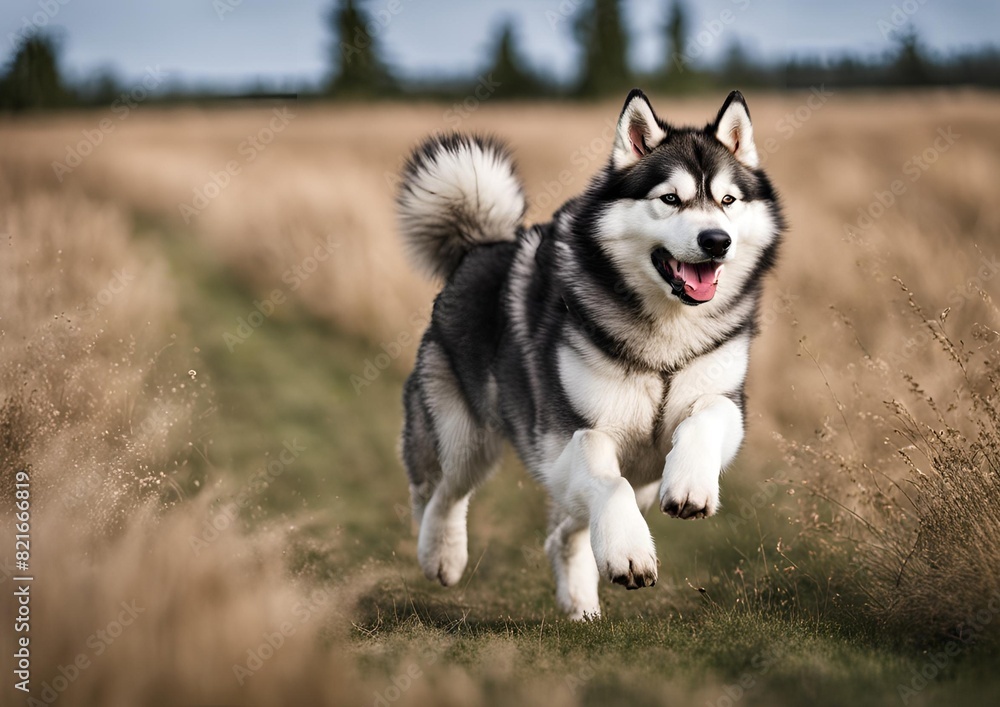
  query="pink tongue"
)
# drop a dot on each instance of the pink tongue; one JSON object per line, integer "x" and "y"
{"x": 700, "y": 279}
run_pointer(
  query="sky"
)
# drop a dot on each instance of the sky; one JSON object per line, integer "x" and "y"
{"x": 231, "y": 43}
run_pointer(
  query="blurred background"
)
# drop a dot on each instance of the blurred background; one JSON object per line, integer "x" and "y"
{"x": 64, "y": 54}
{"x": 206, "y": 320}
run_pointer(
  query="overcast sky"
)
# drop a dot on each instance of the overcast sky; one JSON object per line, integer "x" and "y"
{"x": 288, "y": 39}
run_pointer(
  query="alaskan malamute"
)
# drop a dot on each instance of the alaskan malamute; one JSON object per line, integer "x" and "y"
{"x": 609, "y": 346}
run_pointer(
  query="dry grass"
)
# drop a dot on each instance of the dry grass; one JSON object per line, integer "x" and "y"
{"x": 99, "y": 409}
{"x": 98, "y": 399}
{"x": 922, "y": 522}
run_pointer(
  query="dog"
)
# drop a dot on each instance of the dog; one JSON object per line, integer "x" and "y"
{"x": 608, "y": 346}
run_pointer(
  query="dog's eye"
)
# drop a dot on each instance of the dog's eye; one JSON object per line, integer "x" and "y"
{"x": 671, "y": 199}
{"x": 727, "y": 200}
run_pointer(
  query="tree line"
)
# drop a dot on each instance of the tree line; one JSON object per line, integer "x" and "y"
{"x": 32, "y": 78}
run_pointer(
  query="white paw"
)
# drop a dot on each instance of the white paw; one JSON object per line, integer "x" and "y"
{"x": 690, "y": 486}
{"x": 443, "y": 547}
{"x": 621, "y": 541}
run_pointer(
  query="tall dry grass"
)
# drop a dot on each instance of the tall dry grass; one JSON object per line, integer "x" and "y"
{"x": 101, "y": 411}
{"x": 919, "y": 520}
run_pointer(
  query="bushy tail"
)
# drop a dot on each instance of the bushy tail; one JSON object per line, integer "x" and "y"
{"x": 457, "y": 191}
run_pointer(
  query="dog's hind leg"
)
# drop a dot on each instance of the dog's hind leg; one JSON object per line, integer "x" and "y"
{"x": 419, "y": 448}
{"x": 448, "y": 453}
{"x": 575, "y": 567}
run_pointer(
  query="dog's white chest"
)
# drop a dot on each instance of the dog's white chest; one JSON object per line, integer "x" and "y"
{"x": 624, "y": 404}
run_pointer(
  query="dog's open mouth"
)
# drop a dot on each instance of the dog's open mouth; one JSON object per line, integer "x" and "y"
{"x": 693, "y": 283}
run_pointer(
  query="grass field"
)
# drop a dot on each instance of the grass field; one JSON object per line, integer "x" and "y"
{"x": 206, "y": 323}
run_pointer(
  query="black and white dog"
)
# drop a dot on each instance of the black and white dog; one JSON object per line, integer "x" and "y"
{"x": 609, "y": 346}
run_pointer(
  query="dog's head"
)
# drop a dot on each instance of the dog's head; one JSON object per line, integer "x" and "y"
{"x": 686, "y": 213}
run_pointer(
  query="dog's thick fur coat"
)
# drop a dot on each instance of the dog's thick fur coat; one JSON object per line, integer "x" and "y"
{"x": 609, "y": 346}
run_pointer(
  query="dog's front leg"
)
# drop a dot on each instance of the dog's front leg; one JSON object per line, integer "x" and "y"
{"x": 593, "y": 488}
{"x": 703, "y": 445}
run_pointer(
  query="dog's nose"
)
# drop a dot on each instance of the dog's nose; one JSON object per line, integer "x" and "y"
{"x": 715, "y": 242}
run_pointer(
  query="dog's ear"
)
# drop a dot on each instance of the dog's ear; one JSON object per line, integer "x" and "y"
{"x": 639, "y": 131}
{"x": 734, "y": 130}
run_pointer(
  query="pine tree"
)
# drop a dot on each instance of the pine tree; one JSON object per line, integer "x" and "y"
{"x": 605, "y": 48}
{"x": 359, "y": 69}
{"x": 677, "y": 27}
{"x": 911, "y": 67}
{"x": 738, "y": 68}
{"x": 509, "y": 69}
{"x": 32, "y": 80}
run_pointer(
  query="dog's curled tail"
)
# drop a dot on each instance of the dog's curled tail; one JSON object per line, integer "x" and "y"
{"x": 457, "y": 192}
